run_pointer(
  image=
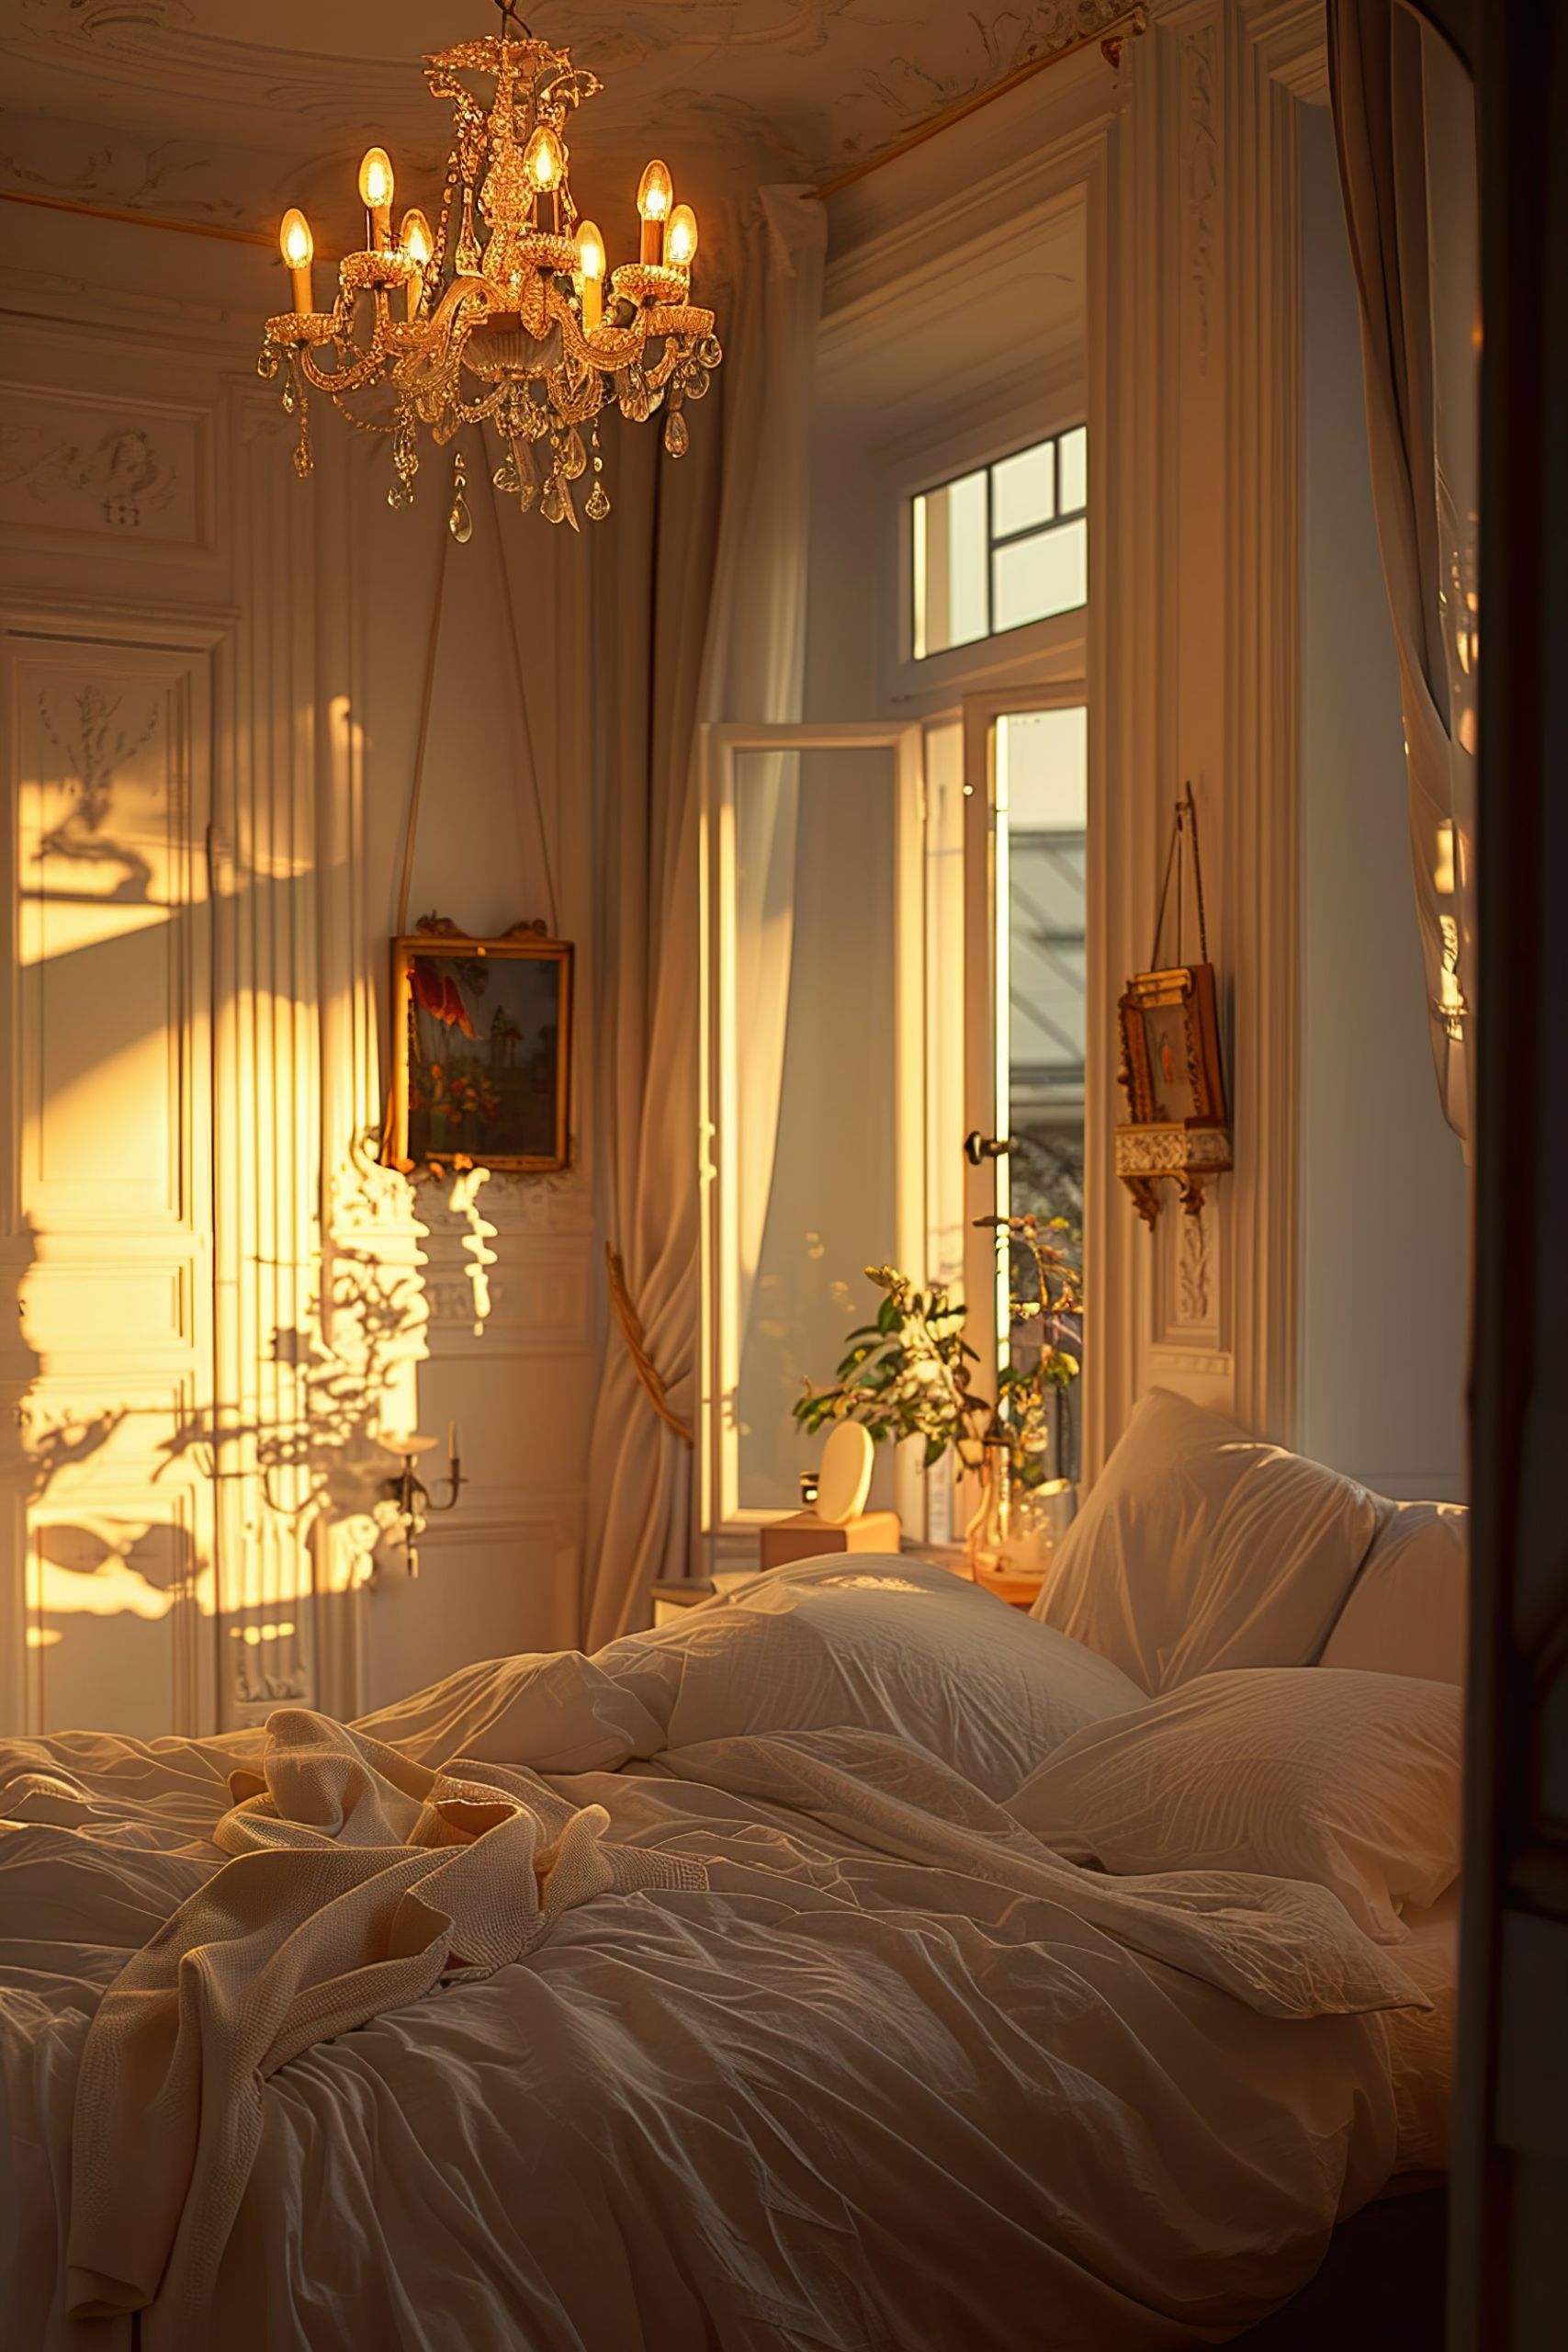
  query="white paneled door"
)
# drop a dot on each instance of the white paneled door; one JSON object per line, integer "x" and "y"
{"x": 107, "y": 1575}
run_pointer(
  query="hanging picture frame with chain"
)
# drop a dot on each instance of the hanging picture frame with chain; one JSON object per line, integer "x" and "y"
{"x": 1178, "y": 1127}
{"x": 482, "y": 1039}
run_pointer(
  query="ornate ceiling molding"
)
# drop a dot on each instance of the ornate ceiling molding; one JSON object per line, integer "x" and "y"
{"x": 816, "y": 85}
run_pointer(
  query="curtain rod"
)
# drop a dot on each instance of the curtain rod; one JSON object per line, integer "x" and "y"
{"x": 1108, "y": 38}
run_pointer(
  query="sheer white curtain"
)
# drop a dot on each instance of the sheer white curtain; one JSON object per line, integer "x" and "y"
{"x": 700, "y": 616}
{"x": 1404, "y": 119}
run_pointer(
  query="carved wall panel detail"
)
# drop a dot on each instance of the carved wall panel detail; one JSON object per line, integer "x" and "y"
{"x": 71, "y": 464}
{"x": 1192, "y": 1272}
{"x": 1201, "y": 175}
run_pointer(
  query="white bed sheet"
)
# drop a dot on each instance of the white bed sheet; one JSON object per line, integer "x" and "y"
{"x": 1421, "y": 2042}
{"x": 840, "y": 2099}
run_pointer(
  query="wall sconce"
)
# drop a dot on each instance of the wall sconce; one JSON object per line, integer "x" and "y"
{"x": 406, "y": 1500}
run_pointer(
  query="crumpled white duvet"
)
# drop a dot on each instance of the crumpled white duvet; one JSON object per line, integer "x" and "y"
{"x": 789, "y": 2040}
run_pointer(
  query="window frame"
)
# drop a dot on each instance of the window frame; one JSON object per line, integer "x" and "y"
{"x": 1059, "y": 519}
{"x": 935, "y": 682}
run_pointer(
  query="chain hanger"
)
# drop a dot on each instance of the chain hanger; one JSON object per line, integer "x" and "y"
{"x": 1186, "y": 822}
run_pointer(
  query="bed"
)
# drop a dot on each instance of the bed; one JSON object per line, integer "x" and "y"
{"x": 818, "y": 1972}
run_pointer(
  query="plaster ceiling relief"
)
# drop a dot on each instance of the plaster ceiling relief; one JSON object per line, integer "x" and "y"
{"x": 86, "y": 163}
{"x": 801, "y": 87}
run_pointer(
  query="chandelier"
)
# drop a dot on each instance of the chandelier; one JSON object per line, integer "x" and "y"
{"x": 506, "y": 313}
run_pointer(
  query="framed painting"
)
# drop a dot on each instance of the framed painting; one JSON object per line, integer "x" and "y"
{"x": 482, "y": 1032}
{"x": 1171, "y": 1048}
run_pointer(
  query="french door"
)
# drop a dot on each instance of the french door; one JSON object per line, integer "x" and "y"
{"x": 1025, "y": 884}
{"x": 894, "y": 1010}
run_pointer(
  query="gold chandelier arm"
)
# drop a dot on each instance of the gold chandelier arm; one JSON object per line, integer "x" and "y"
{"x": 686, "y": 319}
{"x": 606, "y": 348}
{"x": 659, "y": 374}
{"x": 366, "y": 368}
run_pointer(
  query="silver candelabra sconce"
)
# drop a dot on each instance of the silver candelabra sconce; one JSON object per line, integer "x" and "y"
{"x": 406, "y": 1502}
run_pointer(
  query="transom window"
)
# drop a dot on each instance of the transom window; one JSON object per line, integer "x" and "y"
{"x": 1003, "y": 546}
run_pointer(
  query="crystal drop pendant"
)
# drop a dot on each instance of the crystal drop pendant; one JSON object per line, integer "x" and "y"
{"x": 460, "y": 523}
{"x": 550, "y": 505}
{"x": 574, "y": 456}
{"x": 507, "y": 476}
{"x": 598, "y": 504}
{"x": 677, "y": 440}
{"x": 290, "y": 399}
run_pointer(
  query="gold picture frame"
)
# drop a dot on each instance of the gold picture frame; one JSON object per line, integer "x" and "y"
{"x": 1175, "y": 1087}
{"x": 482, "y": 1042}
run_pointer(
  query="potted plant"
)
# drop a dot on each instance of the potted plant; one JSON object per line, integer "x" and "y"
{"x": 908, "y": 1377}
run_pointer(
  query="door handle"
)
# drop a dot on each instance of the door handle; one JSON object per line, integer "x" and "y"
{"x": 977, "y": 1146}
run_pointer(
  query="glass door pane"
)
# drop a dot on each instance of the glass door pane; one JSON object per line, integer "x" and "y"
{"x": 814, "y": 833}
{"x": 1040, "y": 786}
{"x": 820, "y": 1107}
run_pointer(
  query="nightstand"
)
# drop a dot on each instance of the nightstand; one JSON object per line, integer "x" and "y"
{"x": 804, "y": 1536}
{"x": 1018, "y": 1592}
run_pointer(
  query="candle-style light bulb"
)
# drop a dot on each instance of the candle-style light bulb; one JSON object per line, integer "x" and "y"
{"x": 681, "y": 238}
{"x": 591, "y": 270}
{"x": 655, "y": 194}
{"x": 542, "y": 160}
{"x": 298, "y": 248}
{"x": 419, "y": 244}
{"x": 376, "y": 187}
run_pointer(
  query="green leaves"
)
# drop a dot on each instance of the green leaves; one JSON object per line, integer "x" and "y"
{"x": 907, "y": 1374}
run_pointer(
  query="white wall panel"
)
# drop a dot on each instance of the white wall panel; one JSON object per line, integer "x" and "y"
{"x": 149, "y": 511}
{"x": 107, "y": 1160}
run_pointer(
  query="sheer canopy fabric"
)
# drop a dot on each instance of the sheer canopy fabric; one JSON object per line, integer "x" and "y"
{"x": 700, "y": 616}
{"x": 1405, "y": 122}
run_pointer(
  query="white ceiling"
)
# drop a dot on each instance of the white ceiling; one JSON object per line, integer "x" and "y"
{"x": 190, "y": 95}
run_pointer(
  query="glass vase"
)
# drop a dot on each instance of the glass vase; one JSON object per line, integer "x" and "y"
{"x": 1015, "y": 1528}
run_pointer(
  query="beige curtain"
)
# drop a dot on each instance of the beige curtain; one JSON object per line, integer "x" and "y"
{"x": 700, "y": 616}
{"x": 1404, "y": 121}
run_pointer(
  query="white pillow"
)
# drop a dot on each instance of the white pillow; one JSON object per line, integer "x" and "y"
{"x": 881, "y": 1642}
{"x": 1406, "y": 1613}
{"x": 1201, "y": 1547}
{"x": 1349, "y": 1780}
